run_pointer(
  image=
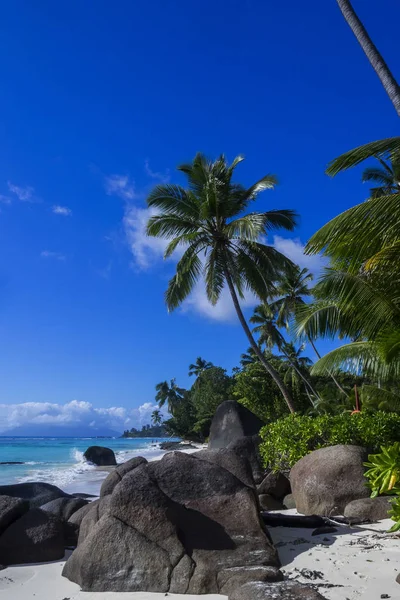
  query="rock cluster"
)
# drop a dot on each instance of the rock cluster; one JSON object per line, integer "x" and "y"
{"x": 34, "y": 522}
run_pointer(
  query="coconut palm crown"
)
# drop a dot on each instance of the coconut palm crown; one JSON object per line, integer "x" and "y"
{"x": 221, "y": 242}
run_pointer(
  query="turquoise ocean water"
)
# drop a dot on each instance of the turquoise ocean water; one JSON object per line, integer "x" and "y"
{"x": 60, "y": 460}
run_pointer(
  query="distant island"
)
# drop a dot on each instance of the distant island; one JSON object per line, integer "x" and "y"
{"x": 147, "y": 431}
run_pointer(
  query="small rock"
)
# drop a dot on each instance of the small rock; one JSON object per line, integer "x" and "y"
{"x": 385, "y": 596}
{"x": 268, "y": 502}
{"x": 100, "y": 456}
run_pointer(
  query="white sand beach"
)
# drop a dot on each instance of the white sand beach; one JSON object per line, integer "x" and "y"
{"x": 351, "y": 564}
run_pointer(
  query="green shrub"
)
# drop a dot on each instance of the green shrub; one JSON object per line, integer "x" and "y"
{"x": 289, "y": 439}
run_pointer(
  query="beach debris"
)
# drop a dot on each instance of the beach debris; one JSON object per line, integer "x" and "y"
{"x": 324, "y": 530}
{"x": 286, "y": 590}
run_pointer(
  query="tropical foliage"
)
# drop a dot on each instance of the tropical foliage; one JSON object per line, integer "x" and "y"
{"x": 289, "y": 439}
{"x": 357, "y": 299}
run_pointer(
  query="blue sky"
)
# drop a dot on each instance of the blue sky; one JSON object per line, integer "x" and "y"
{"x": 102, "y": 100}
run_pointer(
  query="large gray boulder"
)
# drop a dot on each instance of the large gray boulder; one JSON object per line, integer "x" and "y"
{"x": 100, "y": 456}
{"x": 37, "y": 536}
{"x": 10, "y": 510}
{"x": 36, "y": 494}
{"x": 369, "y": 509}
{"x": 287, "y": 590}
{"x": 231, "y": 422}
{"x": 183, "y": 524}
{"x": 115, "y": 476}
{"x": 64, "y": 508}
{"x": 326, "y": 480}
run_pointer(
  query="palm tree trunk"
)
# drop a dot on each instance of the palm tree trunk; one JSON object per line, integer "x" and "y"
{"x": 374, "y": 56}
{"x": 303, "y": 377}
{"x": 269, "y": 368}
{"x": 329, "y": 373}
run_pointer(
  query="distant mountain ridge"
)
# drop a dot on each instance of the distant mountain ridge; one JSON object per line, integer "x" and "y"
{"x": 60, "y": 431}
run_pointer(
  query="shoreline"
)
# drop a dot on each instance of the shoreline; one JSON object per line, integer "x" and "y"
{"x": 91, "y": 480}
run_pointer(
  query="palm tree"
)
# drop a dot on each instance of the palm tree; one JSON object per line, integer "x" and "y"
{"x": 290, "y": 292}
{"x": 375, "y": 58}
{"x": 248, "y": 358}
{"x": 270, "y": 336}
{"x": 156, "y": 417}
{"x": 199, "y": 366}
{"x": 222, "y": 242}
{"x": 387, "y": 175}
{"x": 296, "y": 366}
{"x": 170, "y": 394}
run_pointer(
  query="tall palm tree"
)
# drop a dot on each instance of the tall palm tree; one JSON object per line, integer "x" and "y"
{"x": 222, "y": 242}
{"x": 290, "y": 292}
{"x": 156, "y": 417}
{"x": 374, "y": 56}
{"x": 199, "y": 366}
{"x": 170, "y": 394}
{"x": 270, "y": 336}
{"x": 387, "y": 175}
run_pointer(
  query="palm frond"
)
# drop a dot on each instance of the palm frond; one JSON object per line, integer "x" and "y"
{"x": 173, "y": 200}
{"x": 188, "y": 271}
{"x": 268, "y": 182}
{"x": 359, "y": 233}
{"x": 358, "y": 155}
{"x": 168, "y": 226}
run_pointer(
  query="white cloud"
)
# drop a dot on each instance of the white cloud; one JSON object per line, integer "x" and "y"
{"x": 161, "y": 177}
{"x": 56, "y": 255}
{"x": 74, "y": 413}
{"x": 294, "y": 249}
{"x": 149, "y": 251}
{"x": 61, "y": 210}
{"x": 145, "y": 250}
{"x": 25, "y": 194}
{"x": 121, "y": 186}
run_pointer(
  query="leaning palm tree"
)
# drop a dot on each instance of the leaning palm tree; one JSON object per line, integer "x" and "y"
{"x": 289, "y": 296}
{"x": 156, "y": 417}
{"x": 222, "y": 243}
{"x": 375, "y": 58}
{"x": 290, "y": 292}
{"x": 270, "y": 336}
{"x": 199, "y": 366}
{"x": 170, "y": 394}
